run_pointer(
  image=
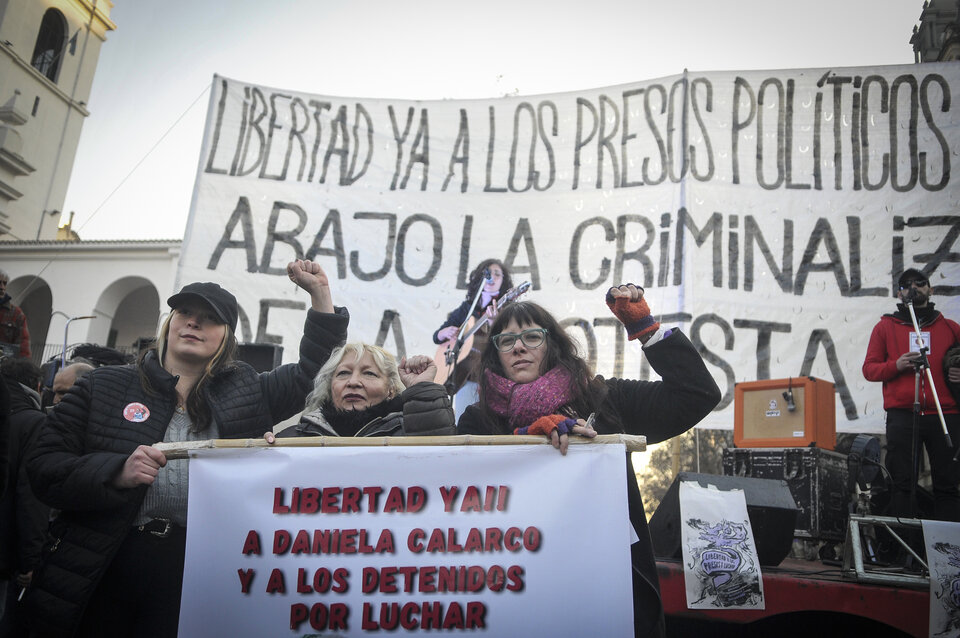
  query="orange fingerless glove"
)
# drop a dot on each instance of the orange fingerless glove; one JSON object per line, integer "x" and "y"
{"x": 547, "y": 424}
{"x": 634, "y": 315}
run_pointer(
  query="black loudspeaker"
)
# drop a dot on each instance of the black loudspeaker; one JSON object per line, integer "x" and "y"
{"x": 770, "y": 506}
{"x": 264, "y": 357}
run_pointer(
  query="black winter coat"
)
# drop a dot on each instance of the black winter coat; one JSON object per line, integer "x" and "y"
{"x": 423, "y": 409}
{"x": 4, "y": 427}
{"x": 87, "y": 438}
{"x": 658, "y": 410}
{"x": 23, "y": 518}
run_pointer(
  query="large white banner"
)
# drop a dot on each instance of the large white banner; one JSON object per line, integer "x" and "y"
{"x": 767, "y": 213}
{"x": 498, "y": 541}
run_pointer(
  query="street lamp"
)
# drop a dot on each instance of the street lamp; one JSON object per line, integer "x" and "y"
{"x": 66, "y": 329}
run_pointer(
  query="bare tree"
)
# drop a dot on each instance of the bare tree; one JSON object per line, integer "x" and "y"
{"x": 679, "y": 454}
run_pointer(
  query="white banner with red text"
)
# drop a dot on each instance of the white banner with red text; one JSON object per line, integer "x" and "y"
{"x": 466, "y": 540}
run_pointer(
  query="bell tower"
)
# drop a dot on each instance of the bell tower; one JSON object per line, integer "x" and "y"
{"x": 48, "y": 56}
{"x": 937, "y": 38}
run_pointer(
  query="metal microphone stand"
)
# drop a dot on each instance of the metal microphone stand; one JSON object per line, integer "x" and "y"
{"x": 920, "y": 365}
{"x": 453, "y": 353}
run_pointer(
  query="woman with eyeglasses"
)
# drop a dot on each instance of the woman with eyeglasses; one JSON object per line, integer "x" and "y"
{"x": 533, "y": 381}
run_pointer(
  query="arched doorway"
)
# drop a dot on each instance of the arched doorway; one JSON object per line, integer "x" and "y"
{"x": 133, "y": 305}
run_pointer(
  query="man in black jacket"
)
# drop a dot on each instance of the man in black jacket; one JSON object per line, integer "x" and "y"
{"x": 23, "y": 519}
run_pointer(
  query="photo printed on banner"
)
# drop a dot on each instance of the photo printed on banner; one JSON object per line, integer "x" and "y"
{"x": 942, "y": 540}
{"x": 720, "y": 564}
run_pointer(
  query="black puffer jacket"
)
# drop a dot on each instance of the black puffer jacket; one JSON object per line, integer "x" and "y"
{"x": 658, "y": 410}
{"x": 90, "y": 434}
{"x": 23, "y": 519}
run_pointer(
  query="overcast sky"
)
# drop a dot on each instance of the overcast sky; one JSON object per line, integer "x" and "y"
{"x": 135, "y": 167}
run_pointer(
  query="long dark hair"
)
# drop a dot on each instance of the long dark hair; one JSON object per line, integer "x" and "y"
{"x": 475, "y": 281}
{"x": 223, "y": 359}
{"x": 561, "y": 352}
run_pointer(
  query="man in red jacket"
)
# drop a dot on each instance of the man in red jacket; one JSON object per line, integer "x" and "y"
{"x": 892, "y": 355}
{"x": 14, "y": 336}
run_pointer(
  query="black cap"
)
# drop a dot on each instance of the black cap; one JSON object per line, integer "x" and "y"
{"x": 224, "y": 304}
{"x": 910, "y": 274}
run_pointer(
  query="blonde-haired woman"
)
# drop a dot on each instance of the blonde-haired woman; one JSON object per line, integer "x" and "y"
{"x": 114, "y": 563}
{"x": 362, "y": 391}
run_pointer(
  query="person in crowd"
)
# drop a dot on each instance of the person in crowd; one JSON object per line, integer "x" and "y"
{"x": 66, "y": 378}
{"x": 52, "y": 370}
{"x": 533, "y": 381}
{"x": 361, "y": 391}
{"x": 893, "y": 358}
{"x": 91, "y": 356}
{"x": 4, "y": 435}
{"x": 490, "y": 279}
{"x": 23, "y": 519}
{"x": 14, "y": 336}
{"x": 114, "y": 563}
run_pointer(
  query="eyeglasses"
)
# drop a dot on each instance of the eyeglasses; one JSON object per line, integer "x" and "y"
{"x": 919, "y": 283}
{"x": 531, "y": 337}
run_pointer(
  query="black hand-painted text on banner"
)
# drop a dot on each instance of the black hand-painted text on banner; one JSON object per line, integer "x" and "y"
{"x": 835, "y": 132}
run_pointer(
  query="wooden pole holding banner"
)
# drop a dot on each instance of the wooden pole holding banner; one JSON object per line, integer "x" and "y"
{"x": 182, "y": 450}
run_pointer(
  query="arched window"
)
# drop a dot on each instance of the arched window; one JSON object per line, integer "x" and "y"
{"x": 50, "y": 43}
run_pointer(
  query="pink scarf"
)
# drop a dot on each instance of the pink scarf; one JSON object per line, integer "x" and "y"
{"x": 524, "y": 403}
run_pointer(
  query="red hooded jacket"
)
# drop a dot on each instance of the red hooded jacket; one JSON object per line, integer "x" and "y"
{"x": 890, "y": 339}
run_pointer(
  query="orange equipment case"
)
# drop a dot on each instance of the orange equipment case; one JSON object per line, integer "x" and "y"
{"x": 762, "y": 417}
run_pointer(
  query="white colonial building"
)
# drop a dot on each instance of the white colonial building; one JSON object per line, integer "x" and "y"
{"x": 48, "y": 56}
{"x": 119, "y": 286}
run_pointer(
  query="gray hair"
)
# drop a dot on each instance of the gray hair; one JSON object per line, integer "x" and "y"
{"x": 76, "y": 369}
{"x": 323, "y": 382}
{"x": 80, "y": 367}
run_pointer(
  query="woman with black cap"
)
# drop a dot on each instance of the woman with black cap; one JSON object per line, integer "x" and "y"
{"x": 114, "y": 562}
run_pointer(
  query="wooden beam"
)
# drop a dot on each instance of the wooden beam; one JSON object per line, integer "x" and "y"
{"x": 182, "y": 450}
